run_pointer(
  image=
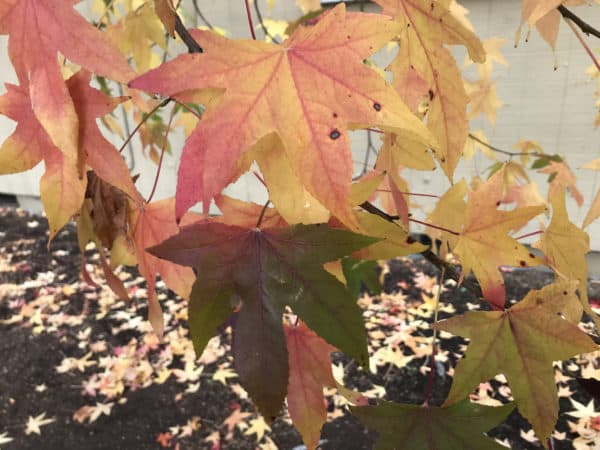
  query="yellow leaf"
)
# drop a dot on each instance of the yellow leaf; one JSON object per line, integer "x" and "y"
{"x": 526, "y": 146}
{"x": 449, "y": 213}
{"x": 493, "y": 54}
{"x": 484, "y": 243}
{"x": 477, "y": 141}
{"x": 424, "y": 33}
{"x": 565, "y": 245}
{"x": 394, "y": 241}
{"x": 309, "y": 5}
{"x": 483, "y": 99}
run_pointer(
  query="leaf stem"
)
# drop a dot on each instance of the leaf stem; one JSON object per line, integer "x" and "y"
{"x": 533, "y": 233}
{"x": 437, "y": 227}
{"x": 262, "y": 214}
{"x": 162, "y": 154}
{"x": 429, "y": 389}
{"x": 504, "y": 152}
{"x": 451, "y": 271}
{"x": 250, "y": 24}
{"x": 582, "y": 41}
{"x": 416, "y": 194}
{"x": 142, "y": 122}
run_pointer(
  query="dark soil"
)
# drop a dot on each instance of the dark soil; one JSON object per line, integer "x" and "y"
{"x": 30, "y": 360}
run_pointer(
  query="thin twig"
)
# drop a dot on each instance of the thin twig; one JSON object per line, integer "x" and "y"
{"x": 450, "y": 270}
{"x": 202, "y": 16}
{"x": 127, "y": 132}
{"x": 437, "y": 227}
{"x": 533, "y": 233}
{"x": 415, "y": 194}
{"x": 262, "y": 214}
{"x": 142, "y": 122}
{"x": 583, "y": 26}
{"x": 431, "y": 376}
{"x": 587, "y": 49}
{"x": 365, "y": 163}
{"x": 250, "y": 24}
{"x": 504, "y": 152}
{"x": 262, "y": 24}
{"x": 162, "y": 154}
{"x": 186, "y": 37}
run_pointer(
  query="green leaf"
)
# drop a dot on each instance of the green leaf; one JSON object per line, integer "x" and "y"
{"x": 359, "y": 272}
{"x": 413, "y": 427}
{"x": 267, "y": 270}
{"x": 522, "y": 343}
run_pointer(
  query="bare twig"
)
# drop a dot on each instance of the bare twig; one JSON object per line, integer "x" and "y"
{"x": 262, "y": 23}
{"x": 186, "y": 37}
{"x": 504, "y": 152}
{"x": 429, "y": 388}
{"x": 250, "y": 24}
{"x": 201, "y": 15}
{"x": 262, "y": 214}
{"x": 162, "y": 154}
{"x": 583, "y": 26}
{"x": 586, "y": 47}
{"x": 450, "y": 270}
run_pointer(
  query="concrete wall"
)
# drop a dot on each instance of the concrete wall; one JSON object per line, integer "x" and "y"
{"x": 555, "y": 108}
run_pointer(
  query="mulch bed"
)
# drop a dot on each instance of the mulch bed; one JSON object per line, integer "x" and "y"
{"x": 81, "y": 370}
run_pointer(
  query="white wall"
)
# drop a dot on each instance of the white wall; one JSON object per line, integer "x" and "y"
{"x": 555, "y": 108}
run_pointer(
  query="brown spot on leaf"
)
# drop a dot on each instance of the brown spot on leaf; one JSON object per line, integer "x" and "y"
{"x": 335, "y": 134}
{"x": 377, "y": 106}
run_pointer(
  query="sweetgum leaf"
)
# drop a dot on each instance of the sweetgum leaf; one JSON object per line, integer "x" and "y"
{"x": 310, "y": 371}
{"x": 57, "y": 28}
{"x": 358, "y": 272}
{"x": 413, "y": 427}
{"x": 521, "y": 342}
{"x": 267, "y": 270}
{"x": 309, "y": 91}
{"x": 426, "y": 28}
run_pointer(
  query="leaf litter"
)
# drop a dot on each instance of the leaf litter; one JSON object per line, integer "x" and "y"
{"x": 109, "y": 381}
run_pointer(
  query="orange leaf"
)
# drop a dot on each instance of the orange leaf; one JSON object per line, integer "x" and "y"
{"x": 152, "y": 224}
{"x": 308, "y": 90}
{"x": 310, "y": 371}
{"x": 166, "y": 13}
{"x": 562, "y": 177}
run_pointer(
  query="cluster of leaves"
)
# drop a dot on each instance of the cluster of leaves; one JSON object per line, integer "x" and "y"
{"x": 276, "y": 274}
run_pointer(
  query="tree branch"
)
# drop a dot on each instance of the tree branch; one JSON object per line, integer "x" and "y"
{"x": 448, "y": 268}
{"x": 583, "y": 26}
{"x": 186, "y": 37}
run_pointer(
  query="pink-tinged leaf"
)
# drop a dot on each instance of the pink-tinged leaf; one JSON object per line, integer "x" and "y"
{"x": 153, "y": 223}
{"x": 308, "y": 90}
{"x": 310, "y": 370}
{"x": 94, "y": 149}
{"x": 57, "y": 27}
